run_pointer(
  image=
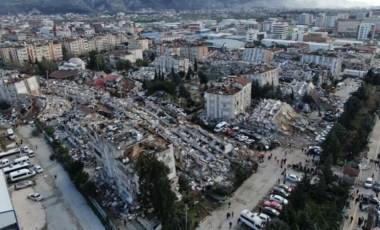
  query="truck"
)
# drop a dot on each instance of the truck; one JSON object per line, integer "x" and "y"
{"x": 10, "y": 152}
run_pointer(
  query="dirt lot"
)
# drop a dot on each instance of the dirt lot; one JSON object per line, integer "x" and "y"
{"x": 63, "y": 207}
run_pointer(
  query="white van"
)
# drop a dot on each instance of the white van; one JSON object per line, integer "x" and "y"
{"x": 4, "y": 163}
{"x": 21, "y": 160}
{"x": 11, "y": 134}
{"x": 251, "y": 220}
{"x": 21, "y": 174}
{"x": 27, "y": 151}
{"x": 219, "y": 127}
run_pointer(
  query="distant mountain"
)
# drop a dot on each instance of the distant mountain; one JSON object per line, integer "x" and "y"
{"x": 83, "y": 6}
{"x": 86, "y": 6}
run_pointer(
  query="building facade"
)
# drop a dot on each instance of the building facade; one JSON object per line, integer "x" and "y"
{"x": 166, "y": 63}
{"x": 280, "y": 30}
{"x": 330, "y": 61}
{"x": 264, "y": 76}
{"x": 257, "y": 55}
{"x": 366, "y": 31}
{"x": 228, "y": 101}
{"x": 347, "y": 27}
{"x": 10, "y": 90}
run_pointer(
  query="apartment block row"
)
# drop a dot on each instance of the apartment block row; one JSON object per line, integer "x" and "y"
{"x": 31, "y": 52}
{"x": 81, "y": 46}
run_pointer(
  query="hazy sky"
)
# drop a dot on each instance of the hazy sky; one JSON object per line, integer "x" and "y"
{"x": 333, "y": 3}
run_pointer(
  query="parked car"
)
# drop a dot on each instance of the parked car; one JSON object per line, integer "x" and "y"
{"x": 280, "y": 191}
{"x": 368, "y": 183}
{"x": 38, "y": 169}
{"x": 271, "y": 211}
{"x": 376, "y": 187}
{"x": 292, "y": 178}
{"x": 35, "y": 196}
{"x": 273, "y": 204}
{"x": 370, "y": 199}
{"x": 314, "y": 150}
{"x": 23, "y": 184}
{"x": 278, "y": 198}
{"x": 286, "y": 187}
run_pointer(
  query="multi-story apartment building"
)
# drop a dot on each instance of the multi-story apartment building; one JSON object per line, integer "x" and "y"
{"x": 280, "y": 30}
{"x": 329, "y": 60}
{"x": 194, "y": 51}
{"x": 263, "y": 75}
{"x": 366, "y": 31}
{"x": 12, "y": 89}
{"x": 305, "y": 19}
{"x": 347, "y": 27}
{"x": 228, "y": 99}
{"x": 31, "y": 52}
{"x": 165, "y": 63}
{"x": 320, "y": 37}
{"x": 117, "y": 162}
{"x": 80, "y": 46}
{"x": 130, "y": 55}
{"x": 257, "y": 54}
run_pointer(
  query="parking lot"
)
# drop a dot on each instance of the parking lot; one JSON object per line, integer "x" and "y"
{"x": 63, "y": 207}
{"x": 254, "y": 189}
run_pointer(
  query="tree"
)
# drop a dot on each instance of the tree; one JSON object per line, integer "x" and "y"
{"x": 156, "y": 196}
{"x": 155, "y": 75}
{"x": 183, "y": 92}
{"x": 189, "y": 74}
{"x": 92, "y": 64}
{"x": 142, "y": 62}
{"x": 123, "y": 65}
{"x": 195, "y": 65}
{"x": 256, "y": 89}
{"x": 50, "y": 131}
{"x": 277, "y": 224}
{"x": 184, "y": 184}
{"x": 65, "y": 54}
{"x": 202, "y": 78}
{"x": 46, "y": 66}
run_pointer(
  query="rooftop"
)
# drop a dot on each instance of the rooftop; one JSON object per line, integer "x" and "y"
{"x": 223, "y": 90}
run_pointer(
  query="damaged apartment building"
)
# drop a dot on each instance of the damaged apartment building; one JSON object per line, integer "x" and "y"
{"x": 229, "y": 98}
{"x": 115, "y": 143}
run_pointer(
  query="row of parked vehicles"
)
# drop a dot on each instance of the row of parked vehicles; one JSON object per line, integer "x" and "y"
{"x": 19, "y": 169}
{"x": 272, "y": 205}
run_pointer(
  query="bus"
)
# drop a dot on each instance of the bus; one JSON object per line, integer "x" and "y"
{"x": 21, "y": 174}
{"x": 10, "y": 152}
{"x": 13, "y": 168}
{"x": 251, "y": 220}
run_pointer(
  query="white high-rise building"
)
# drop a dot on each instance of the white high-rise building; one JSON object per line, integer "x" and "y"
{"x": 251, "y": 35}
{"x": 306, "y": 19}
{"x": 366, "y": 31}
{"x": 280, "y": 30}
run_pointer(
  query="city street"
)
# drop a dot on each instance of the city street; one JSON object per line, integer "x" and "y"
{"x": 63, "y": 206}
{"x": 253, "y": 190}
{"x": 374, "y": 147}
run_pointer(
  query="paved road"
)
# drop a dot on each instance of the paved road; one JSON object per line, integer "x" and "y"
{"x": 374, "y": 147}
{"x": 65, "y": 208}
{"x": 253, "y": 190}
